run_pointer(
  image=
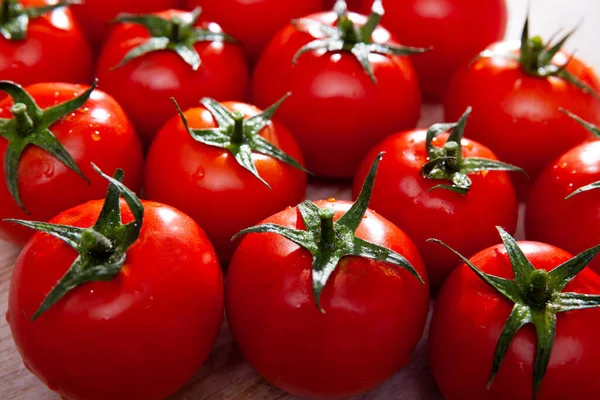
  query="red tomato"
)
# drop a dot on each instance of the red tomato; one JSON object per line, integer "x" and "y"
{"x": 456, "y": 30}
{"x": 572, "y": 224}
{"x": 254, "y": 23}
{"x": 98, "y": 132}
{"x": 336, "y": 111}
{"x": 469, "y": 316}
{"x": 145, "y": 85}
{"x": 208, "y": 183}
{"x": 517, "y": 115}
{"x": 374, "y": 312}
{"x": 95, "y": 15}
{"x": 466, "y": 222}
{"x": 140, "y": 335}
{"x": 52, "y": 50}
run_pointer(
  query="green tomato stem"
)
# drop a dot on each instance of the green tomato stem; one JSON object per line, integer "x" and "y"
{"x": 24, "y": 121}
{"x": 327, "y": 228}
{"x": 237, "y": 136}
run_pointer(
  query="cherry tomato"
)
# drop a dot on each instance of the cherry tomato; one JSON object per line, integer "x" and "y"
{"x": 145, "y": 84}
{"x": 254, "y": 23}
{"x": 328, "y": 332}
{"x": 456, "y": 30}
{"x": 574, "y": 223}
{"x": 349, "y": 112}
{"x": 95, "y": 15}
{"x": 517, "y": 115}
{"x": 143, "y": 332}
{"x": 51, "y": 49}
{"x": 98, "y": 132}
{"x": 470, "y": 315}
{"x": 464, "y": 221}
{"x": 209, "y": 184}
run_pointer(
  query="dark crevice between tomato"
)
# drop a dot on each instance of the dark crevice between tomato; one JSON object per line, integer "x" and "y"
{"x": 14, "y": 17}
{"x": 240, "y": 136}
{"x": 536, "y": 58}
{"x": 177, "y": 34}
{"x": 538, "y": 297}
{"x": 102, "y": 248}
{"x": 346, "y": 36}
{"x": 447, "y": 163}
{"x": 594, "y": 130}
{"x": 329, "y": 241}
{"x": 30, "y": 125}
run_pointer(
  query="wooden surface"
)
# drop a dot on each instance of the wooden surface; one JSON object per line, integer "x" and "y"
{"x": 226, "y": 375}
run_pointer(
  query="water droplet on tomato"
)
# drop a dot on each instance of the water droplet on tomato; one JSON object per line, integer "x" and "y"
{"x": 468, "y": 146}
{"x": 47, "y": 171}
{"x": 365, "y": 217}
{"x": 332, "y": 199}
{"x": 199, "y": 174}
{"x": 96, "y": 136}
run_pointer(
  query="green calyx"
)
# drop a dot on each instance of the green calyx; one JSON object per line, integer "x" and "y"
{"x": 240, "y": 136}
{"x": 102, "y": 248}
{"x": 536, "y": 58}
{"x": 30, "y": 125}
{"x": 14, "y": 17}
{"x": 594, "y": 130}
{"x": 177, "y": 34}
{"x": 329, "y": 241}
{"x": 447, "y": 163}
{"x": 346, "y": 36}
{"x": 538, "y": 297}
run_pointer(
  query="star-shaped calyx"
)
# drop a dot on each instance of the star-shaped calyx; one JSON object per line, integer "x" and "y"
{"x": 346, "y": 36}
{"x": 240, "y": 136}
{"x": 536, "y": 58}
{"x": 14, "y": 17}
{"x": 538, "y": 297}
{"x": 102, "y": 248}
{"x": 593, "y": 129}
{"x": 177, "y": 34}
{"x": 447, "y": 163}
{"x": 329, "y": 241}
{"x": 30, "y": 125}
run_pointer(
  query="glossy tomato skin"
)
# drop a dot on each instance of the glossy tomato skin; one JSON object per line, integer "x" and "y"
{"x": 54, "y": 50}
{"x": 141, "y": 335}
{"x": 145, "y": 85}
{"x": 95, "y": 15}
{"x": 469, "y": 316}
{"x": 518, "y": 116}
{"x": 572, "y": 224}
{"x": 98, "y": 132}
{"x": 349, "y": 114}
{"x": 467, "y": 223}
{"x": 254, "y": 23}
{"x": 374, "y": 313}
{"x": 209, "y": 185}
{"x": 456, "y": 30}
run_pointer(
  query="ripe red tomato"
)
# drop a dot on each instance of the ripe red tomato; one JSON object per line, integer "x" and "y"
{"x": 95, "y": 15}
{"x": 572, "y": 224}
{"x": 145, "y": 84}
{"x": 50, "y": 49}
{"x": 99, "y": 132}
{"x": 373, "y": 313}
{"x": 140, "y": 334}
{"x": 470, "y": 315}
{"x": 465, "y": 221}
{"x": 349, "y": 112}
{"x": 517, "y": 115}
{"x": 456, "y": 30}
{"x": 254, "y": 23}
{"x": 206, "y": 181}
